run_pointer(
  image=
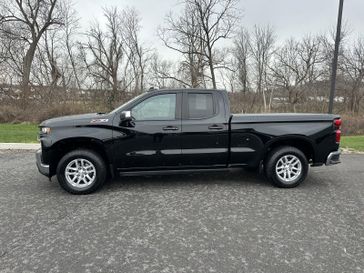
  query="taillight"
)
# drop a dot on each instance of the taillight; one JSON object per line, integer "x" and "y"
{"x": 338, "y": 136}
{"x": 337, "y": 125}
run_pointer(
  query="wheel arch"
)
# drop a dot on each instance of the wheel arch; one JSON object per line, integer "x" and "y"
{"x": 62, "y": 147}
{"x": 302, "y": 143}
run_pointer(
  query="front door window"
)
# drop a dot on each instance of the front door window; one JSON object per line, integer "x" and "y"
{"x": 160, "y": 107}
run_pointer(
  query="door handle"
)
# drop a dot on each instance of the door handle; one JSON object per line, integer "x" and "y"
{"x": 215, "y": 127}
{"x": 170, "y": 128}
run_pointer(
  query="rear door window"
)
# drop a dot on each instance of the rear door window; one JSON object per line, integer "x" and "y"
{"x": 200, "y": 105}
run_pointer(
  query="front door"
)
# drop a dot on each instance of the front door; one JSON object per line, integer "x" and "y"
{"x": 152, "y": 140}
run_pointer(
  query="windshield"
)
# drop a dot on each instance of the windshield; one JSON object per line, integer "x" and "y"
{"x": 126, "y": 104}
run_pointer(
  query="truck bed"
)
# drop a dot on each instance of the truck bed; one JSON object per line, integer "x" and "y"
{"x": 284, "y": 117}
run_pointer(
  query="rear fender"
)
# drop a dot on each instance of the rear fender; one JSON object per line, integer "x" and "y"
{"x": 303, "y": 143}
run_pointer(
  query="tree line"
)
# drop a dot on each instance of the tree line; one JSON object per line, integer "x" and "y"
{"x": 43, "y": 45}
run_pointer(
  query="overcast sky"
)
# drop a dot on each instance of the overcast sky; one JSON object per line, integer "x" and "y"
{"x": 288, "y": 17}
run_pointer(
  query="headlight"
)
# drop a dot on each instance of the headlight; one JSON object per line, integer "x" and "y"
{"x": 46, "y": 130}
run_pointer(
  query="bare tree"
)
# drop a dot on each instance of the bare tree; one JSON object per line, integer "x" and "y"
{"x": 71, "y": 28}
{"x": 197, "y": 32}
{"x": 27, "y": 21}
{"x": 242, "y": 54}
{"x": 56, "y": 66}
{"x": 8, "y": 72}
{"x": 114, "y": 54}
{"x": 262, "y": 48}
{"x": 182, "y": 34}
{"x": 353, "y": 71}
{"x": 297, "y": 67}
{"x": 50, "y": 42}
{"x": 137, "y": 54}
{"x": 217, "y": 19}
{"x": 165, "y": 75}
{"x": 47, "y": 60}
{"x": 106, "y": 52}
{"x": 328, "y": 44}
{"x": 12, "y": 56}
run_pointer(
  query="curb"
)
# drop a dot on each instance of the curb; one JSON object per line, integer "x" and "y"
{"x": 19, "y": 146}
{"x": 347, "y": 151}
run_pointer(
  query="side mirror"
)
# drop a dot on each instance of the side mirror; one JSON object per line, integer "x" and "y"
{"x": 125, "y": 116}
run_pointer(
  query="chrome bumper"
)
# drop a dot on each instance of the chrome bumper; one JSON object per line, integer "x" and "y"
{"x": 333, "y": 158}
{"x": 42, "y": 168}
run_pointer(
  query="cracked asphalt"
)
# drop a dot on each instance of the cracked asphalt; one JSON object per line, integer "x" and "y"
{"x": 221, "y": 222}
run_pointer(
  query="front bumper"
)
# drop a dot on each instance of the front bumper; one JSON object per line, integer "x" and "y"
{"x": 333, "y": 158}
{"x": 42, "y": 168}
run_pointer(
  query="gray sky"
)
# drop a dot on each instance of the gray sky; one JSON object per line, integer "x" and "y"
{"x": 288, "y": 17}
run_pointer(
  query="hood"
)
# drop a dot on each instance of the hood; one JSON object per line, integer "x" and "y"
{"x": 74, "y": 120}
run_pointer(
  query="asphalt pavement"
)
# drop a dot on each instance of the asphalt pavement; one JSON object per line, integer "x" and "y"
{"x": 221, "y": 222}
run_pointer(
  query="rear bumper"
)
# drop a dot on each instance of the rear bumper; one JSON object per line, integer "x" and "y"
{"x": 42, "y": 168}
{"x": 333, "y": 158}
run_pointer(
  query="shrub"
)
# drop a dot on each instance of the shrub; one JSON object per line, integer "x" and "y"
{"x": 352, "y": 125}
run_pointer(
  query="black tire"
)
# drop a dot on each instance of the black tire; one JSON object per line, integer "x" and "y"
{"x": 271, "y": 163}
{"x": 90, "y": 156}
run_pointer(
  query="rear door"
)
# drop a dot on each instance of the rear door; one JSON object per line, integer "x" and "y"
{"x": 205, "y": 135}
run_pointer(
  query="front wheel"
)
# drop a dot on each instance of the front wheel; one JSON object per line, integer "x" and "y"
{"x": 81, "y": 172}
{"x": 286, "y": 167}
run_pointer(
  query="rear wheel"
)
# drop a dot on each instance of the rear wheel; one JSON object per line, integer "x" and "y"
{"x": 286, "y": 167}
{"x": 81, "y": 172}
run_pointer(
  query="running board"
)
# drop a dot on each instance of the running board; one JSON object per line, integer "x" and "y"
{"x": 169, "y": 172}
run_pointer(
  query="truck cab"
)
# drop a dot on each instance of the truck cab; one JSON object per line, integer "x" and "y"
{"x": 173, "y": 129}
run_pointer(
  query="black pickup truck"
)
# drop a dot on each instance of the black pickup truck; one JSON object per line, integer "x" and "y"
{"x": 184, "y": 130}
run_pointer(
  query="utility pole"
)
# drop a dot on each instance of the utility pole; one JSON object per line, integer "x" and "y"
{"x": 334, "y": 61}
